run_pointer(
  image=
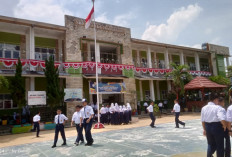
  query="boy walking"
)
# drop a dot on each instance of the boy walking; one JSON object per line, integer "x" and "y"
{"x": 176, "y": 110}
{"x": 60, "y": 120}
{"x": 150, "y": 110}
{"x": 36, "y": 121}
{"x": 77, "y": 118}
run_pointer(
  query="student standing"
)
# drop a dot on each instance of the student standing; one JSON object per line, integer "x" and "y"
{"x": 145, "y": 105}
{"x": 77, "y": 118}
{"x": 125, "y": 115}
{"x": 160, "y": 105}
{"x": 103, "y": 114}
{"x": 120, "y": 115}
{"x": 107, "y": 108}
{"x": 88, "y": 120}
{"x": 150, "y": 109}
{"x": 213, "y": 123}
{"x": 60, "y": 120}
{"x": 116, "y": 113}
{"x": 111, "y": 110}
{"x": 176, "y": 110}
{"x": 128, "y": 106}
{"x": 36, "y": 121}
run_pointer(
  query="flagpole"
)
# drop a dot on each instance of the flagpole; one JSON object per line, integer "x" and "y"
{"x": 96, "y": 57}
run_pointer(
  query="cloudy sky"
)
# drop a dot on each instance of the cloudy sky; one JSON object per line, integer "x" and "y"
{"x": 181, "y": 22}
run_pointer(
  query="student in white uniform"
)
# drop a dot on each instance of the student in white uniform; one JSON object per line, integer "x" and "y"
{"x": 160, "y": 105}
{"x": 112, "y": 117}
{"x": 77, "y": 119}
{"x": 107, "y": 108}
{"x": 128, "y": 106}
{"x": 88, "y": 120}
{"x": 60, "y": 120}
{"x": 176, "y": 110}
{"x": 125, "y": 115}
{"x": 36, "y": 121}
{"x": 145, "y": 105}
{"x": 150, "y": 110}
{"x": 120, "y": 115}
{"x": 103, "y": 115}
{"x": 116, "y": 113}
{"x": 214, "y": 124}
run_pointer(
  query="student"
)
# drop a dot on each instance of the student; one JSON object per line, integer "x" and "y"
{"x": 107, "y": 108}
{"x": 77, "y": 118}
{"x": 116, "y": 113}
{"x": 145, "y": 105}
{"x": 36, "y": 121}
{"x": 128, "y": 106}
{"x": 125, "y": 115}
{"x": 150, "y": 109}
{"x": 176, "y": 110}
{"x": 103, "y": 114}
{"x": 213, "y": 123}
{"x": 120, "y": 115}
{"x": 88, "y": 120}
{"x": 111, "y": 110}
{"x": 160, "y": 105}
{"x": 60, "y": 120}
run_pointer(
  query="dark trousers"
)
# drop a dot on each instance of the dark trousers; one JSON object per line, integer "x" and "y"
{"x": 215, "y": 137}
{"x": 177, "y": 115}
{"x": 112, "y": 119}
{"x": 116, "y": 118}
{"x": 108, "y": 117}
{"x": 37, "y": 128}
{"x": 103, "y": 118}
{"x": 126, "y": 117}
{"x": 87, "y": 127}
{"x": 129, "y": 115}
{"x": 227, "y": 144}
{"x": 121, "y": 118}
{"x": 152, "y": 118}
{"x": 79, "y": 133}
{"x": 59, "y": 128}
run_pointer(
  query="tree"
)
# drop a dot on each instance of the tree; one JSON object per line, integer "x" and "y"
{"x": 17, "y": 87}
{"x": 220, "y": 80}
{"x": 3, "y": 82}
{"x": 55, "y": 94}
{"x": 229, "y": 69}
{"x": 180, "y": 76}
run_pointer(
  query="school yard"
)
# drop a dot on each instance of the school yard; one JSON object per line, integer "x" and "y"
{"x": 137, "y": 139}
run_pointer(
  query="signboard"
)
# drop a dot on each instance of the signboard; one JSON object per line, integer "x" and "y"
{"x": 36, "y": 98}
{"x": 72, "y": 94}
{"x": 107, "y": 88}
{"x": 221, "y": 65}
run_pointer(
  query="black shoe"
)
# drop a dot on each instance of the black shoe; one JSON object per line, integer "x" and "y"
{"x": 152, "y": 126}
{"x": 37, "y": 136}
{"x": 184, "y": 126}
{"x": 64, "y": 144}
{"x": 176, "y": 127}
{"x": 77, "y": 144}
{"x": 53, "y": 146}
{"x": 88, "y": 144}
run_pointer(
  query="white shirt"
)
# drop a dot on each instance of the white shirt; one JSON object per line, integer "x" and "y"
{"x": 229, "y": 114}
{"x": 36, "y": 118}
{"x": 107, "y": 109}
{"x": 111, "y": 109}
{"x": 87, "y": 111}
{"x": 160, "y": 104}
{"x": 176, "y": 108}
{"x": 61, "y": 117}
{"x": 76, "y": 117}
{"x": 145, "y": 104}
{"x": 212, "y": 113}
{"x": 150, "y": 108}
{"x": 103, "y": 110}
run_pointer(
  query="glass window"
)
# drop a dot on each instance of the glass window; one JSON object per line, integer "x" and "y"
{"x": 51, "y": 50}
{"x": 7, "y": 54}
{"x": 44, "y": 56}
{"x": 1, "y": 104}
{"x": 7, "y": 104}
{"x": 37, "y": 49}
{"x": 15, "y": 54}
{"x": 37, "y": 56}
{"x": 44, "y": 50}
{"x": 1, "y": 54}
{"x": 17, "y": 48}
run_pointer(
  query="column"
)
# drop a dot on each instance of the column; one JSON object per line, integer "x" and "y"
{"x": 166, "y": 59}
{"x": 181, "y": 58}
{"x": 155, "y": 60}
{"x": 141, "y": 90}
{"x": 97, "y": 56}
{"x": 149, "y": 58}
{"x": 152, "y": 93}
{"x": 32, "y": 83}
{"x": 197, "y": 61}
{"x": 158, "y": 89}
{"x": 60, "y": 45}
{"x": 32, "y": 43}
{"x": 89, "y": 51}
{"x": 169, "y": 85}
{"x": 138, "y": 58}
{"x": 27, "y": 86}
{"x": 227, "y": 61}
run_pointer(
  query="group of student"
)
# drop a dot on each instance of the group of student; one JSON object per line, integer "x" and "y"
{"x": 216, "y": 123}
{"x": 115, "y": 114}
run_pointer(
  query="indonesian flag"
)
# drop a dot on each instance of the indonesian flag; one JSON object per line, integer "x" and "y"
{"x": 89, "y": 18}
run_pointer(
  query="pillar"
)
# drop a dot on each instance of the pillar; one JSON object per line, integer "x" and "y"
{"x": 32, "y": 83}
{"x": 197, "y": 61}
{"x": 152, "y": 93}
{"x": 158, "y": 89}
{"x": 227, "y": 61}
{"x": 149, "y": 58}
{"x": 27, "y": 86}
{"x": 169, "y": 85}
{"x": 141, "y": 90}
{"x": 60, "y": 50}
{"x": 138, "y": 58}
{"x": 89, "y": 51}
{"x": 97, "y": 56}
{"x": 155, "y": 61}
{"x": 166, "y": 59}
{"x": 181, "y": 58}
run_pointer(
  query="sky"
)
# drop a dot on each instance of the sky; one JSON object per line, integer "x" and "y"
{"x": 179, "y": 22}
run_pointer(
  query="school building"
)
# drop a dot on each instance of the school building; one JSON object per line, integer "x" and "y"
{"x": 140, "y": 65}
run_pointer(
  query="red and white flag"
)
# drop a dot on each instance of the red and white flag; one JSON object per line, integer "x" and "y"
{"x": 89, "y": 18}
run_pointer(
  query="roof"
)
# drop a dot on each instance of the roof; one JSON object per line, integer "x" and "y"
{"x": 202, "y": 82}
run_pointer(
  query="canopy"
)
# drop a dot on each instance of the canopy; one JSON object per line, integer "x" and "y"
{"x": 201, "y": 83}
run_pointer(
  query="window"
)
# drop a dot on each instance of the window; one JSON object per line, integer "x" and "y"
{"x": 164, "y": 94}
{"x": 1, "y": 53}
{"x": 6, "y": 102}
{"x": 7, "y": 54}
{"x": 15, "y": 54}
{"x": 44, "y": 53}
{"x": 9, "y": 51}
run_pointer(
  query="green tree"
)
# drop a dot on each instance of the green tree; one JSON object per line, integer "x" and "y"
{"x": 3, "y": 82}
{"x": 55, "y": 93}
{"x": 17, "y": 87}
{"x": 180, "y": 76}
{"x": 220, "y": 80}
{"x": 229, "y": 69}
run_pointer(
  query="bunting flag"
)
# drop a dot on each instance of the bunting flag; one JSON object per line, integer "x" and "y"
{"x": 89, "y": 18}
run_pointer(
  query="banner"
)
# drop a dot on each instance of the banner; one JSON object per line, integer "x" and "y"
{"x": 73, "y": 94}
{"x": 36, "y": 98}
{"x": 108, "y": 88}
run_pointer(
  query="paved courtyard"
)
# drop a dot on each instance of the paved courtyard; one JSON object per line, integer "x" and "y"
{"x": 163, "y": 141}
